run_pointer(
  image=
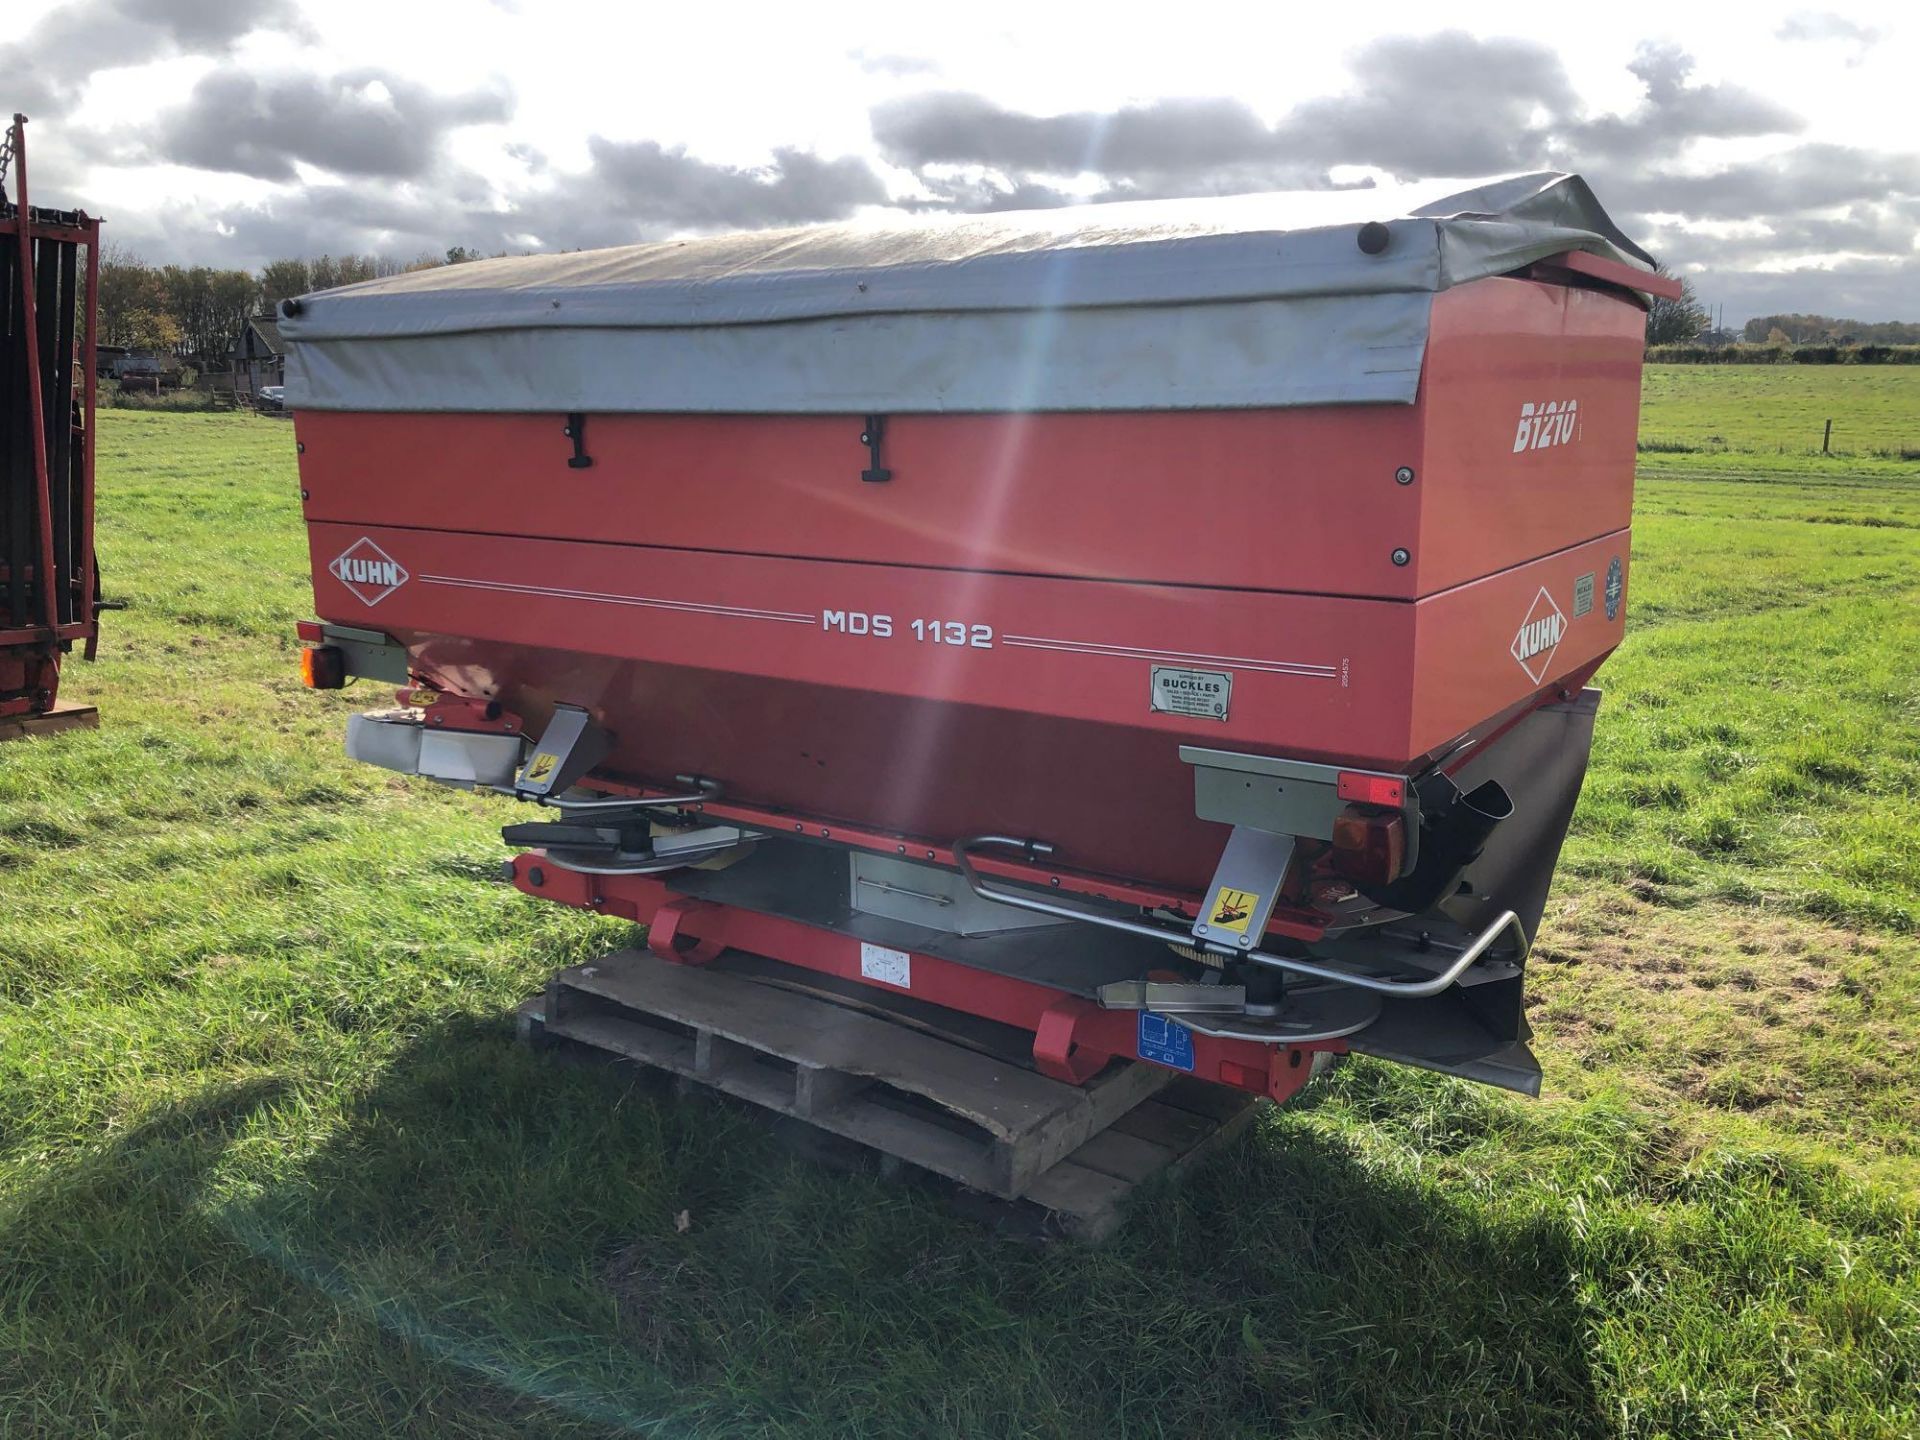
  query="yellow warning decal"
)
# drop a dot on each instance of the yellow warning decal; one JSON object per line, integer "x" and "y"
{"x": 1232, "y": 909}
{"x": 541, "y": 766}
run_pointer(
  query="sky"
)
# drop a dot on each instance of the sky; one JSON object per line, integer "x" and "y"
{"x": 1769, "y": 152}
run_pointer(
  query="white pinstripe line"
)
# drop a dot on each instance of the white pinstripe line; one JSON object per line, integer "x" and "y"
{"x": 691, "y": 607}
{"x": 1171, "y": 657}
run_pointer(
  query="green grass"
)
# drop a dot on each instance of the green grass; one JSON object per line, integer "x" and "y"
{"x": 271, "y": 1163}
{"x": 1783, "y": 410}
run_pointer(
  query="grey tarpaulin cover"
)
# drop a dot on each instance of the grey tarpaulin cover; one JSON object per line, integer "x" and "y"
{"x": 1247, "y": 300}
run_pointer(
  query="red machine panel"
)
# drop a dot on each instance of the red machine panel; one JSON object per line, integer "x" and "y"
{"x": 938, "y": 702}
{"x": 1307, "y": 501}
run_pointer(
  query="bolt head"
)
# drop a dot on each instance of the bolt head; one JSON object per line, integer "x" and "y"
{"x": 1404, "y": 475}
{"x": 1402, "y": 556}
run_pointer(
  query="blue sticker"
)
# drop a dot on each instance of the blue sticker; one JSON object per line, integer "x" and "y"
{"x": 1165, "y": 1042}
{"x": 1616, "y": 584}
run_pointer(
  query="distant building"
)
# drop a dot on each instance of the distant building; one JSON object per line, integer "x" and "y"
{"x": 257, "y": 357}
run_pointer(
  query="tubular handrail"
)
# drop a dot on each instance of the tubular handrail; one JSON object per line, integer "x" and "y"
{"x": 704, "y": 790}
{"x": 1399, "y": 989}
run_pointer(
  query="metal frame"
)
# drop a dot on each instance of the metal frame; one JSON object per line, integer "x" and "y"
{"x": 57, "y": 328}
{"x": 1398, "y": 989}
{"x": 1073, "y": 1037}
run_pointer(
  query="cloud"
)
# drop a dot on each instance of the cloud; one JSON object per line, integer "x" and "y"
{"x": 1442, "y": 104}
{"x": 49, "y": 66}
{"x": 1814, "y": 27}
{"x": 955, "y": 128}
{"x": 1861, "y": 290}
{"x": 631, "y": 191}
{"x": 1674, "y": 114}
{"x": 398, "y": 221}
{"x": 882, "y": 63}
{"x": 663, "y": 187}
{"x": 1818, "y": 25}
{"x": 368, "y": 123}
{"x": 1802, "y": 180}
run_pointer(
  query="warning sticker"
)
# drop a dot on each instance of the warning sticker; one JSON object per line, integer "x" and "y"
{"x": 1203, "y": 694}
{"x": 1232, "y": 909}
{"x": 1164, "y": 1041}
{"x": 1582, "y": 595}
{"x": 889, "y": 967}
{"x": 541, "y": 766}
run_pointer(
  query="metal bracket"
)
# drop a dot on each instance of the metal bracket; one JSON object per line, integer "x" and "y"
{"x": 370, "y": 654}
{"x": 576, "y": 431}
{"x": 870, "y": 436}
{"x": 665, "y": 940}
{"x": 1245, "y": 885}
{"x": 1057, "y": 1053}
{"x": 1287, "y": 797}
{"x": 1174, "y": 997}
{"x": 570, "y": 746}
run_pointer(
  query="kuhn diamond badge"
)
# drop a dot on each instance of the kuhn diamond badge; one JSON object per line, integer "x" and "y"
{"x": 1539, "y": 636}
{"x": 368, "y": 571}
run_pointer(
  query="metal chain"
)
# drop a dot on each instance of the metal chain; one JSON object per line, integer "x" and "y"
{"x": 6, "y": 161}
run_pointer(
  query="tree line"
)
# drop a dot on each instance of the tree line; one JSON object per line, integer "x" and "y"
{"x": 1826, "y": 330}
{"x": 195, "y": 311}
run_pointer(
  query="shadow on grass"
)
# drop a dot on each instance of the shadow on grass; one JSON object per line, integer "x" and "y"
{"x": 483, "y": 1241}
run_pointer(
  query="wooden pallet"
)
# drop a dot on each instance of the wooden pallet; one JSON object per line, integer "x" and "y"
{"x": 953, "y": 1104}
{"x": 50, "y": 722}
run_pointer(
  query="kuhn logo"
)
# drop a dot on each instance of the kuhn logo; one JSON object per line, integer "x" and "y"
{"x": 1553, "y": 422}
{"x": 369, "y": 572}
{"x": 1539, "y": 636}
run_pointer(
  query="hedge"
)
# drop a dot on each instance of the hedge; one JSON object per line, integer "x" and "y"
{"x": 1783, "y": 354}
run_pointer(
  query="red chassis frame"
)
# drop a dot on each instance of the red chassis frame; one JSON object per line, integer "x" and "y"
{"x": 1073, "y": 1039}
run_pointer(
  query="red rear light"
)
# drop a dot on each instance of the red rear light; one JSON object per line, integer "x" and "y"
{"x": 323, "y": 667}
{"x": 310, "y": 631}
{"x": 1369, "y": 848}
{"x": 1364, "y": 789}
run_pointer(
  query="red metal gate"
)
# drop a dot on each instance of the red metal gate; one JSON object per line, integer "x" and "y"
{"x": 49, "y": 283}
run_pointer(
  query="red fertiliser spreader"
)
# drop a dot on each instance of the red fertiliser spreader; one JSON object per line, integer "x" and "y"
{"x": 1164, "y": 628}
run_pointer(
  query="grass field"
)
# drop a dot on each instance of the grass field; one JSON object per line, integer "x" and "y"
{"x": 270, "y": 1162}
{"x": 1783, "y": 410}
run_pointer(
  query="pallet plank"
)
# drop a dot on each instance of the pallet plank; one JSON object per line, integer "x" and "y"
{"x": 1126, "y": 1158}
{"x": 49, "y": 722}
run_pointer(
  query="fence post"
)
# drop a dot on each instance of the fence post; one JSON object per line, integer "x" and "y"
{"x": 1826, "y": 440}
